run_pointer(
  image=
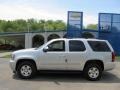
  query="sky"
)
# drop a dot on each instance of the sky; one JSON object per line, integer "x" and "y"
{"x": 56, "y": 9}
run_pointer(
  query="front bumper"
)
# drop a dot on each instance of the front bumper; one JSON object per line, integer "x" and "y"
{"x": 12, "y": 65}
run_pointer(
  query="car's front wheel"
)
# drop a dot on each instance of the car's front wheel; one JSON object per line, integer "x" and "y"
{"x": 93, "y": 72}
{"x": 26, "y": 70}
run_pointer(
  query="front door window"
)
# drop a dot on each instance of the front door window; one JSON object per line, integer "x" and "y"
{"x": 56, "y": 46}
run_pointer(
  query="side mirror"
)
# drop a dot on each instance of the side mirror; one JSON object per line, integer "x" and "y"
{"x": 45, "y": 49}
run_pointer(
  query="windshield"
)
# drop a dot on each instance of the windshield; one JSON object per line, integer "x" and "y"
{"x": 40, "y": 47}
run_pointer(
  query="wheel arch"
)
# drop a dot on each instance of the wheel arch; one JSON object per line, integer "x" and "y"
{"x": 25, "y": 60}
{"x": 99, "y": 62}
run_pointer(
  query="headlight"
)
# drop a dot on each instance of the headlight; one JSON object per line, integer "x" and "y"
{"x": 12, "y": 56}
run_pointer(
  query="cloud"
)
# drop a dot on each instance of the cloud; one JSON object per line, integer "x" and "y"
{"x": 90, "y": 19}
{"x": 11, "y": 12}
{"x": 26, "y": 12}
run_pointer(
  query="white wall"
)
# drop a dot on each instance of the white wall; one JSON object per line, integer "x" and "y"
{"x": 29, "y": 37}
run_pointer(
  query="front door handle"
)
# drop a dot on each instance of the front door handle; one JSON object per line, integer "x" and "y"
{"x": 66, "y": 60}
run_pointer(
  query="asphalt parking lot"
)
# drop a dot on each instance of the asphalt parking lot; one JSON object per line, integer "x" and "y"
{"x": 8, "y": 81}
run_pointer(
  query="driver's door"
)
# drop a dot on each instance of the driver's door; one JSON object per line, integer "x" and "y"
{"x": 54, "y": 57}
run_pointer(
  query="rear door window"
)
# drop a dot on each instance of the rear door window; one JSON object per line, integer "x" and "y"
{"x": 76, "y": 46}
{"x": 99, "y": 46}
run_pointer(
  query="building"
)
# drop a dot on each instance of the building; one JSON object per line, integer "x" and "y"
{"x": 31, "y": 39}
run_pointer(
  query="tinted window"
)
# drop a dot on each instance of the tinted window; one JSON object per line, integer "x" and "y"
{"x": 57, "y": 46}
{"x": 99, "y": 46}
{"x": 76, "y": 46}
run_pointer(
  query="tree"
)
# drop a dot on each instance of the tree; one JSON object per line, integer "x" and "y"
{"x": 49, "y": 25}
{"x": 34, "y": 25}
{"x": 8, "y": 26}
{"x": 21, "y": 25}
{"x": 92, "y": 26}
{"x": 59, "y": 25}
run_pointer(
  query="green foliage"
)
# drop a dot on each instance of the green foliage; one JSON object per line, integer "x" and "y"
{"x": 117, "y": 57}
{"x": 31, "y": 25}
{"x": 59, "y": 25}
{"x": 92, "y": 26}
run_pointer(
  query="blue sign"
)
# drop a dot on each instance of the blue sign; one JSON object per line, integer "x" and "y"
{"x": 75, "y": 23}
{"x": 109, "y": 29}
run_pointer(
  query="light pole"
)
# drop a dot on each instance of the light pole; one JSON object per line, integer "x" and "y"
{"x": 44, "y": 28}
{"x": 28, "y": 41}
{"x": 28, "y": 27}
{"x": 45, "y": 32}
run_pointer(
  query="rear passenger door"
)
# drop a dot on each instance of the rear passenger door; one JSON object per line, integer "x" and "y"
{"x": 76, "y": 54}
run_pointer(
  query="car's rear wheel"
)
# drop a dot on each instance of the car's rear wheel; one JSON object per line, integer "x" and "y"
{"x": 93, "y": 72}
{"x": 26, "y": 70}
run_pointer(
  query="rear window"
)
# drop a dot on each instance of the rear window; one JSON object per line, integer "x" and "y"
{"x": 99, "y": 46}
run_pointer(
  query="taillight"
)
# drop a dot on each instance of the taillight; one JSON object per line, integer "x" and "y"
{"x": 113, "y": 56}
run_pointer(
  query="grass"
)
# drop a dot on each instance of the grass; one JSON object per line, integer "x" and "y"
{"x": 117, "y": 57}
{"x": 3, "y": 51}
{"x": 7, "y": 56}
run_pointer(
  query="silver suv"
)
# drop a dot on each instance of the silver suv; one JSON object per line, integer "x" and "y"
{"x": 92, "y": 56}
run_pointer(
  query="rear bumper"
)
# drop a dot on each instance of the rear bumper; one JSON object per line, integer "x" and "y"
{"x": 109, "y": 66}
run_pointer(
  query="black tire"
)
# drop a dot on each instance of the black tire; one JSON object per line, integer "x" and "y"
{"x": 92, "y": 77}
{"x": 32, "y": 68}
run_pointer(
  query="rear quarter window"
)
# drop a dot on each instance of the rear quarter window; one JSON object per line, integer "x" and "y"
{"x": 99, "y": 46}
